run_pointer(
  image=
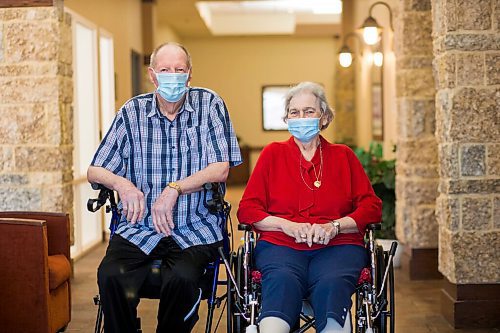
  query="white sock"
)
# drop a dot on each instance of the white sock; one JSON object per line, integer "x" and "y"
{"x": 273, "y": 325}
{"x": 332, "y": 326}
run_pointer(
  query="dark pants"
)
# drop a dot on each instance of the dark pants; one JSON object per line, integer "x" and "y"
{"x": 326, "y": 277}
{"x": 124, "y": 269}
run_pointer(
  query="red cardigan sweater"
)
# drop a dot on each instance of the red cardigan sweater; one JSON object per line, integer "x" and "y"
{"x": 276, "y": 188}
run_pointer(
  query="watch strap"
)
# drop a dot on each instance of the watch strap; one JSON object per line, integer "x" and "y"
{"x": 175, "y": 186}
{"x": 336, "y": 225}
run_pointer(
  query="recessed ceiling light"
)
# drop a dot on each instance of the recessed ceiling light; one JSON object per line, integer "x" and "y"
{"x": 266, "y": 17}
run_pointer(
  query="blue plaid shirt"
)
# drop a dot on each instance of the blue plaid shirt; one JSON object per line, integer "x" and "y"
{"x": 148, "y": 149}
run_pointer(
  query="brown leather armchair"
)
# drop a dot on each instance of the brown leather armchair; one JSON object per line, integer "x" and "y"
{"x": 35, "y": 272}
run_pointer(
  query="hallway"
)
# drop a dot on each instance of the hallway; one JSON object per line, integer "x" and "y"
{"x": 417, "y": 301}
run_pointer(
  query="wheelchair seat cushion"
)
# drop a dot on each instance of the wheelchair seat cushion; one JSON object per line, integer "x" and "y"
{"x": 59, "y": 270}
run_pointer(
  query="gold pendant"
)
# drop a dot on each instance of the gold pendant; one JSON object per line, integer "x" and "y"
{"x": 317, "y": 183}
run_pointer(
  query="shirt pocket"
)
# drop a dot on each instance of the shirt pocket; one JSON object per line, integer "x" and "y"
{"x": 190, "y": 141}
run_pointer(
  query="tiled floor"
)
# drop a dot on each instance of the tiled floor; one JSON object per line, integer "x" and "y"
{"x": 417, "y": 309}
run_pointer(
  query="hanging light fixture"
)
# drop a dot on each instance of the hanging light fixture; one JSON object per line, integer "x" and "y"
{"x": 345, "y": 53}
{"x": 345, "y": 56}
{"x": 371, "y": 28}
{"x": 378, "y": 58}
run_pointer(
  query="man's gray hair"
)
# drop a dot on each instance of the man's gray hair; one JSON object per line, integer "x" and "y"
{"x": 152, "y": 60}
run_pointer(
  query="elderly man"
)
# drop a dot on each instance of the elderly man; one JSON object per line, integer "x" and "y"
{"x": 161, "y": 148}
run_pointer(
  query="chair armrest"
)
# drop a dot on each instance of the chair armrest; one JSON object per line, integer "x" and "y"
{"x": 57, "y": 229}
{"x": 23, "y": 250}
{"x": 24, "y": 276}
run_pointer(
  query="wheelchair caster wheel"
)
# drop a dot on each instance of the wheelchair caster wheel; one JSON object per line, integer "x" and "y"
{"x": 251, "y": 329}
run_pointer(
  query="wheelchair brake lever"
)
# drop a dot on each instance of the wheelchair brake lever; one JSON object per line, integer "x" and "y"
{"x": 93, "y": 208}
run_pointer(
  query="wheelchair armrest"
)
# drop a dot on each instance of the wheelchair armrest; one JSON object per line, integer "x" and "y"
{"x": 374, "y": 226}
{"x": 244, "y": 227}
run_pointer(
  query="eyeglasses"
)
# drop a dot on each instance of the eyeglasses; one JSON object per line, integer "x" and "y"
{"x": 307, "y": 113}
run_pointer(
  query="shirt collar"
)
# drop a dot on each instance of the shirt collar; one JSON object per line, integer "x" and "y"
{"x": 187, "y": 105}
{"x": 296, "y": 151}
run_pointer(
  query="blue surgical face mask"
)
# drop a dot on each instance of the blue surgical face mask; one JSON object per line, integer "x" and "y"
{"x": 172, "y": 86}
{"x": 303, "y": 129}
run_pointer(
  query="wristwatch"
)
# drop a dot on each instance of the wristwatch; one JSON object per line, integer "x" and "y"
{"x": 175, "y": 186}
{"x": 336, "y": 225}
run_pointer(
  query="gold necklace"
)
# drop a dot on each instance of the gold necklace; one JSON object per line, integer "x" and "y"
{"x": 316, "y": 183}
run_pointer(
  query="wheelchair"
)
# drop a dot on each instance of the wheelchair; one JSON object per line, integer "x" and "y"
{"x": 214, "y": 201}
{"x": 374, "y": 303}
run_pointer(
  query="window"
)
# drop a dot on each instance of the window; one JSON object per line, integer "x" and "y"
{"x": 273, "y": 107}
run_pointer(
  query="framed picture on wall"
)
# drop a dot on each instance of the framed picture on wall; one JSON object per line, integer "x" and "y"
{"x": 273, "y": 107}
{"x": 377, "y": 113}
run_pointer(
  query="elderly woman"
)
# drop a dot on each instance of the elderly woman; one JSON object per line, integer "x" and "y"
{"x": 310, "y": 201}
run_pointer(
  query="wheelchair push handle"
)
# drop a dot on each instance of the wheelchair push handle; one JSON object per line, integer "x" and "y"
{"x": 394, "y": 246}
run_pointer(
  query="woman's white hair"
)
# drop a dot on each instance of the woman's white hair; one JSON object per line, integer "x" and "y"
{"x": 317, "y": 90}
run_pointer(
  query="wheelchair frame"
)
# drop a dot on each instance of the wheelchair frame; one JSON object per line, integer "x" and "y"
{"x": 217, "y": 206}
{"x": 375, "y": 302}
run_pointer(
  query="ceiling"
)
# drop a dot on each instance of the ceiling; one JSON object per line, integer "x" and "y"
{"x": 234, "y": 19}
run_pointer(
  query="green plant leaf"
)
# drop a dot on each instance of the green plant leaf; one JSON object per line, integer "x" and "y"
{"x": 382, "y": 175}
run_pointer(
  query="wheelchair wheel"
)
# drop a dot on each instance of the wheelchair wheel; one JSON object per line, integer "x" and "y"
{"x": 389, "y": 296}
{"x": 380, "y": 259}
{"x": 365, "y": 310}
{"x": 386, "y": 320}
{"x": 235, "y": 322}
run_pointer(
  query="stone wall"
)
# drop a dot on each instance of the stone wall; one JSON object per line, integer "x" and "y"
{"x": 417, "y": 164}
{"x": 345, "y": 119}
{"x": 36, "y": 121}
{"x": 467, "y": 70}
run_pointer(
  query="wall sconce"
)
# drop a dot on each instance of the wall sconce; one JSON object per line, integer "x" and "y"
{"x": 345, "y": 53}
{"x": 371, "y": 28}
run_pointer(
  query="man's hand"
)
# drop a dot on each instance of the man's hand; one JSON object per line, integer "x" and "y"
{"x": 132, "y": 201}
{"x": 162, "y": 211}
{"x": 297, "y": 230}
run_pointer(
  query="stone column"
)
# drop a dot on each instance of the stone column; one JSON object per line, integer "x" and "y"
{"x": 417, "y": 177}
{"x": 344, "y": 105}
{"x": 344, "y": 92}
{"x": 36, "y": 121}
{"x": 467, "y": 69}
{"x": 149, "y": 24}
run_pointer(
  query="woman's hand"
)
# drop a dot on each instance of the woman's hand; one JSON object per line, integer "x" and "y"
{"x": 296, "y": 230}
{"x": 321, "y": 234}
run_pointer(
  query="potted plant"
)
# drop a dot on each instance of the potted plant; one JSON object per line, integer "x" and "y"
{"x": 382, "y": 175}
